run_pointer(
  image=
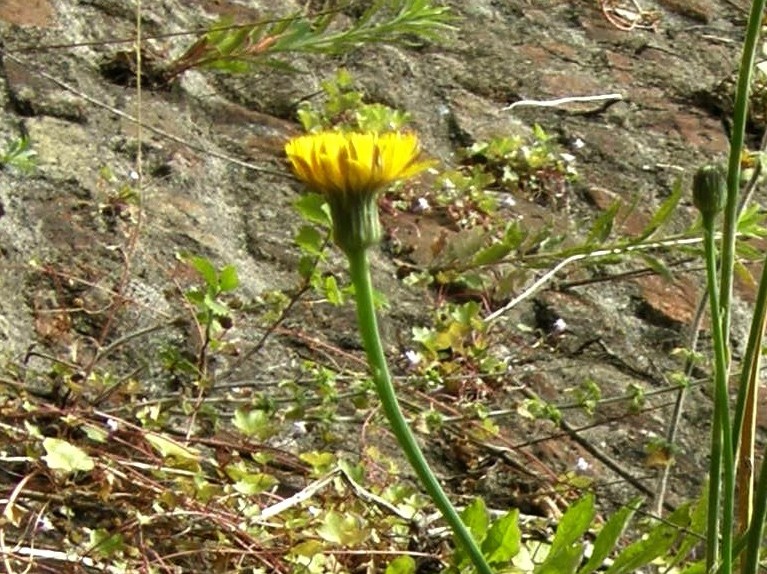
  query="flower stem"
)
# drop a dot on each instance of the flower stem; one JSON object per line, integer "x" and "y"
{"x": 722, "y": 468}
{"x": 359, "y": 268}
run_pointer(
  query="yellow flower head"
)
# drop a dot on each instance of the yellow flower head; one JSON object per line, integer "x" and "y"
{"x": 336, "y": 162}
{"x": 349, "y": 169}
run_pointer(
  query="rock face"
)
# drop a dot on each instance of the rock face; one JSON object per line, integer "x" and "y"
{"x": 90, "y": 239}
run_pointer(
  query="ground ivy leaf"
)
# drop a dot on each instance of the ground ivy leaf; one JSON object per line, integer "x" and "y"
{"x": 343, "y": 529}
{"x": 401, "y": 565}
{"x": 255, "y": 483}
{"x": 253, "y": 423}
{"x": 62, "y": 455}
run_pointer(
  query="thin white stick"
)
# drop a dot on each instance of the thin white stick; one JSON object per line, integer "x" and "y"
{"x": 72, "y": 558}
{"x": 579, "y": 257}
{"x": 299, "y": 497}
{"x": 562, "y": 101}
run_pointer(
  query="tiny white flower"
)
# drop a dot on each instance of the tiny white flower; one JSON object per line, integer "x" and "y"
{"x": 414, "y": 357}
{"x": 579, "y": 143}
{"x": 421, "y": 205}
{"x": 509, "y": 201}
{"x": 559, "y": 326}
{"x": 581, "y": 465}
{"x": 133, "y": 175}
{"x": 112, "y": 425}
{"x": 300, "y": 427}
{"x": 567, "y": 157}
{"x": 45, "y": 524}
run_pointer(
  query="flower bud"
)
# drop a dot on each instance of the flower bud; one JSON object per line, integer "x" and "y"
{"x": 709, "y": 190}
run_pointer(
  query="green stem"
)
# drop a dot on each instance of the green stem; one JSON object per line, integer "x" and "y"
{"x": 359, "y": 269}
{"x": 721, "y": 472}
{"x": 737, "y": 138}
{"x": 756, "y": 528}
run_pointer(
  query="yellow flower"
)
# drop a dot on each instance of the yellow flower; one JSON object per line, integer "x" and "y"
{"x": 350, "y": 169}
{"x": 336, "y": 162}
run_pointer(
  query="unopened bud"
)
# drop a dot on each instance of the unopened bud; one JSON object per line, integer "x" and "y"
{"x": 709, "y": 190}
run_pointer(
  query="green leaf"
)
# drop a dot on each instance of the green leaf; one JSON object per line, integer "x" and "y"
{"x": 254, "y": 423}
{"x": 475, "y": 518}
{"x": 332, "y": 292}
{"x": 574, "y": 523}
{"x": 608, "y": 536}
{"x": 603, "y": 225}
{"x": 401, "y": 565}
{"x": 696, "y": 530}
{"x": 346, "y": 529}
{"x": 307, "y": 266}
{"x": 204, "y": 268}
{"x": 658, "y": 266}
{"x": 697, "y": 568}
{"x": 62, "y": 455}
{"x": 313, "y": 208}
{"x": 228, "y": 280}
{"x": 564, "y": 561}
{"x": 491, "y": 254}
{"x": 196, "y": 297}
{"x": 503, "y": 539}
{"x": 169, "y": 448}
{"x": 310, "y": 240}
{"x": 104, "y": 543}
{"x": 257, "y": 483}
{"x": 657, "y": 543}
{"x": 321, "y": 462}
{"x": 665, "y": 211}
{"x": 216, "y": 307}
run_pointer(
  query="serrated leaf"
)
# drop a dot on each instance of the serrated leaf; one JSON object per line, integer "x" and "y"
{"x": 331, "y": 290}
{"x": 401, "y": 565}
{"x": 665, "y": 211}
{"x": 607, "y": 539}
{"x": 503, "y": 539}
{"x": 204, "y": 268}
{"x": 228, "y": 279}
{"x": 574, "y": 523}
{"x": 254, "y": 423}
{"x": 216, "y": 307}
{"x": 62, "y": 455}
{"x": 313, "y": 208}
{"x": 310, "y": 240}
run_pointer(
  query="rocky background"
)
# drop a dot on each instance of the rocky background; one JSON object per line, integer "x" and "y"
{"x": 91, "y": 283}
